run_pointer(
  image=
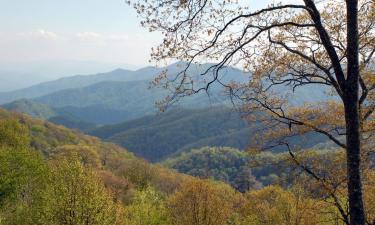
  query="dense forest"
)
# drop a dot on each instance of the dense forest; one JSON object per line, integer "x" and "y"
{"x": 53, "y": 175}
{"x": 158, "y": 137}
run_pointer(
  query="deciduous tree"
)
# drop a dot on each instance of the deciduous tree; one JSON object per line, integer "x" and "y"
{"x": 148, "y": 208}
{"x": 79, "y": 197}
{"x": 202, "y": 202}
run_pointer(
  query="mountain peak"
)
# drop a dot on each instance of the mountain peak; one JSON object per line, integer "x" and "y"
{"x": 119, "y": 70}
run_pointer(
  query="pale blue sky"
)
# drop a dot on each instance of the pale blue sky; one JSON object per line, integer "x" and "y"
{"x": 84, "y": 30}
{"x": 67, "y": 15}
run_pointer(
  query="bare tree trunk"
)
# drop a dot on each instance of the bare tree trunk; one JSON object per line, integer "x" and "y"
{"x": 356, "y": 209}
{"x": 352, "y": 117}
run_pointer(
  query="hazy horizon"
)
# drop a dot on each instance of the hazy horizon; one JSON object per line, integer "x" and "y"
{"x": 81, "y": 30}
{"x": 45, "y": 40}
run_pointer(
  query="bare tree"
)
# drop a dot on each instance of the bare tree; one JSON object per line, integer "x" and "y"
{"x": 313, "y": 44}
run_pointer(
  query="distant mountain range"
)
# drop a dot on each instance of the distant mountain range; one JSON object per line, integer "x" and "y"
{"x": 113, "y": 97}
{"x": 80, "y": 81}
{"x": 17, "y": 75}
{"x": 122, "y": 95}
{"x": 122, "y": 101}
{"x": 77, "y": 81}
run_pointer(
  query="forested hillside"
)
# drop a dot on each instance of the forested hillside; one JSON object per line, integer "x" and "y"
{"x": 160, "y": 136}
{"x": 40, "y": 162}
{"x": 243, "y": 171}
{"x": 225, "y": 164}
{"x": 166, "y": 134}
{"x": 44, "y": 166}
{"x": 45, "y": 112}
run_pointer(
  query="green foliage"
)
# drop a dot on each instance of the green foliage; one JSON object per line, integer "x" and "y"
{"x": 31, "y": 192}
{"x": 274, "y": 205}
{"x": 13, "y": 134}
{"x": 78, "y": 196}
{"x": 202, "y": 202}
{"x": 23, "y": 177}
{"x": 54, "y": 141}
{"x": 23, "y": 182}
{"x": 148, "y": 208}
{"x": 79, "y": 180}
{"x": 139, "y": 173}
{"x": 88, "y": 155}
{"x": 225, "y": 164}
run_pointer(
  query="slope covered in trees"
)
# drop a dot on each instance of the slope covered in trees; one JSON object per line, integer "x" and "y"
{"x": 46, "y": 112}
{"x": 45, "y": 166}
{"x": 169, "y": 133}
{"x": 32, "y": 108}
{"x": 157, "y": 137}
{"x": 242, "y": 170}
{"x": 52, "y": 140}
{"x": 225, "y": 164}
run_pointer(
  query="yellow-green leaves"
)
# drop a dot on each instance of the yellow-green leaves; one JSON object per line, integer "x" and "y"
{"x": 79, "y": 197}
{"x": 13, "y": 134}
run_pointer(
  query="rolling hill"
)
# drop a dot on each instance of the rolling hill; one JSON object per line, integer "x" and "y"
{"x": 48, "y": 113}
{"x": 32, "y": 108}
{"x": 157, "y": 137}
{"x": 229, "y": 165}
{"x": 117, "y": 164}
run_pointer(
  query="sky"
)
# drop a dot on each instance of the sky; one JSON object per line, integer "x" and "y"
{"x": 85, "y": 30}
{"x": 103, "y": 31}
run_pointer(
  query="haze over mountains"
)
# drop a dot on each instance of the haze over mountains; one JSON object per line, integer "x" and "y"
{"x": 11, "y": 80}
{"x": 19, "y": 75}
{"x": 122, "y": 101}
{"x": 108, "y": 98}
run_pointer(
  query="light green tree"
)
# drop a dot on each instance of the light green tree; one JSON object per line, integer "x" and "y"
{"x": 23, "y": 177}
{"x": 13, "y": 134}
{"x": 202, "y": 202}
{"x": 78, "y": 196}
{"x": 147, "y": 208}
